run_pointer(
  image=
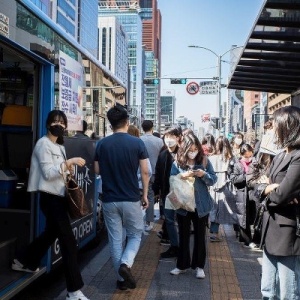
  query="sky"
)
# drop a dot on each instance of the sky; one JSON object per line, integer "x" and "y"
{"x": 214, "y": 24}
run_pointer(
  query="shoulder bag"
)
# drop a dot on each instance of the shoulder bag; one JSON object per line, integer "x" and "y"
{"x": 259, "y": 215}
{"x": 77, "y": 206}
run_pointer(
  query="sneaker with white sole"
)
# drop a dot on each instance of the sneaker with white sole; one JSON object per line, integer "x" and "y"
{"x": 148, "y": 227}
{"x": 17, "y": 266}
{"x": 78, "y": 295}
{"x": 251, "y": 246}
{"x": 177, "y": 271}
{"x": 200, "y": 273}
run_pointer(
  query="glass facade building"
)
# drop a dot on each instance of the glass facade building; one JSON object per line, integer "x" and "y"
{"x": 132, "y": 25}
{"x": 66, "y": 15}
{"x": 151, "y": 91}
{"x": 88, "y": 25}
{"x": 43, "y": 5}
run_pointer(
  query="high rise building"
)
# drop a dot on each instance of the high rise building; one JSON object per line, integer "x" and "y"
{"x": 113, "y": 47}
{"x": 167, "y": 112}
{"x": 88, "y": 25}
{"x": 65, "y": 14}
{"x": 43, "y": 5}
{"x": 127, "y": 14}
{"x": 151, "y": 19}
{"x": 79, "y": 18}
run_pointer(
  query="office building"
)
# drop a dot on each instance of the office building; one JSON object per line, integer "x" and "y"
{"x": 151, "y": 19}
{"x": 167, "y": 112}
{"x": 79, "y": 18}
{"x": 43, "y": 5}
{"x": 113, "y": 47}
{"x": 127, "y": 14}
{"x": 88, "y": 25}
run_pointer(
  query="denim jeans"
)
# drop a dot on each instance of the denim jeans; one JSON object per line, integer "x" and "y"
{"x": 170, "y": 216}
{"x": 150, "y": 210}
{"x": 119, "y": 216}
{"x": 214, "y": 227}
{"x": 280, "y": 277}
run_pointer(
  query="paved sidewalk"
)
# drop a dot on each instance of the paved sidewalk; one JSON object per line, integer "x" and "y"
{"x": 232, "y": 272}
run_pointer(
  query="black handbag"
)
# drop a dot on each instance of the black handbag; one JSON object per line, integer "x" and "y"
{"x": 258, "y": 221}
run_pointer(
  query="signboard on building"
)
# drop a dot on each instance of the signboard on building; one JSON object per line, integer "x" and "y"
{"x": 4, "y": 25}
{"x": 70, "y": 90}
{"x": 208, "y": 87}
{"x": 168, "y": 93}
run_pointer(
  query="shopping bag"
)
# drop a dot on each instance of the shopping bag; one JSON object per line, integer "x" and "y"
{"x": 182, "y": 193}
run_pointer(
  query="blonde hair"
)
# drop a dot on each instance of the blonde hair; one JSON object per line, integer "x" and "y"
{"x": 133, "y": 130}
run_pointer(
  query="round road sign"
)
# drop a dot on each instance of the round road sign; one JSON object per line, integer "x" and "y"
{"x": 192, "y": 88}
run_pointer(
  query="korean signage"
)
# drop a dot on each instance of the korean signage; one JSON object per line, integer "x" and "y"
{"x": 82, "y": 228}
{"x": 70, "y": 90}
{"x": 4, "y": 25}
{"x": 208, "y": 87}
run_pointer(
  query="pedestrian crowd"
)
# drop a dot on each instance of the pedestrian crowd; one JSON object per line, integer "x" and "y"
{"x": 198, "y": 184}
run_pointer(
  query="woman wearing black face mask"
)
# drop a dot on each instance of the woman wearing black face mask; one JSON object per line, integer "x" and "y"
{"x": 48, "y": 165}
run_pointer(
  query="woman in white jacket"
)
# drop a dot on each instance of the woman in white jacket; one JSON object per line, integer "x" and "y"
{"x": 48, "y": 165}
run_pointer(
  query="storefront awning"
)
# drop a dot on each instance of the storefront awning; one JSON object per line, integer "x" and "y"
{"x": 270, "y": 60}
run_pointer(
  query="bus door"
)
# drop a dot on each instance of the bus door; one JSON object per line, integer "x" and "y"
{"x": 84, "y": 229}
{"x": 26, "y": 93}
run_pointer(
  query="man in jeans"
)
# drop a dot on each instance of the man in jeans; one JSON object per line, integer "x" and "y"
{"x": 153, "y": 145}
{"x": 117, "y": 160}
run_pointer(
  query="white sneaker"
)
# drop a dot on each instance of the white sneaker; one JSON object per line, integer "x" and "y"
{"x": 78, "y": 295}
{"x": 251, "y": 246}
{"x": 148, "y": 227}
{"x": 177, "y": 271}
{"x": 200, "y": 273}
{"x": 17, "y": 266}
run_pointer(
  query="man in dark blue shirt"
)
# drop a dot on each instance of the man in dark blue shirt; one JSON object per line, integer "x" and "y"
{"x": 117, "y": 160}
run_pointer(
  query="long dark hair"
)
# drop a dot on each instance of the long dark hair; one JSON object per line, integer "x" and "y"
{"x": 209, "y": 141}
{"x": 246, "y": 148}
{"x": 287, "y": 126}
{"x": 223, "y": 147}
{"x": 57, "y": 115}
{"x": 187, "y": 141}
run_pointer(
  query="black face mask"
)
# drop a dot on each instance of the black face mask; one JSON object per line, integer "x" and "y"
{"x": 56, "y": 130}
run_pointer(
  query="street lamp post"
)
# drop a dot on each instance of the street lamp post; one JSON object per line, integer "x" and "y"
{"x": 219, "y": 57}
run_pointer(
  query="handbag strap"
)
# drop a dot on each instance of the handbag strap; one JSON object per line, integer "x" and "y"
{"x": 62, "y": 171}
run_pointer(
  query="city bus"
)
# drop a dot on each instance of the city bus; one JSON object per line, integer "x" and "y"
{"x": 38, "y": 63}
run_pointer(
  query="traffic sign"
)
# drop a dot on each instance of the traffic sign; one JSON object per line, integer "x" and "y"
{"x": 208, "y": 87}
{"x": 192, "y": 88}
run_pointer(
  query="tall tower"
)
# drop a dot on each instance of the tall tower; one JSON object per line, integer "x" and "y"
{"x": 151, "y": 18}
{"x": 127, "y": 14}
{"x": 88, "y": 25}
